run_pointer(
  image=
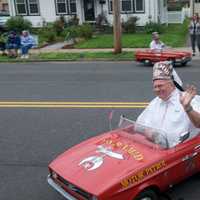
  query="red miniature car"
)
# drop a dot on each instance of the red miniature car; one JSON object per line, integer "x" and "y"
{"x": 132, "y": 162}
{"x": 153, "y": 56}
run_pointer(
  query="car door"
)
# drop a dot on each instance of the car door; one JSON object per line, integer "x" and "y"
{"x": 184, "y": 160}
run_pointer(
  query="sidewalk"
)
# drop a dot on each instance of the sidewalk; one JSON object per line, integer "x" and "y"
{"x": 57, "y": 49}
{"x": 71, "y": 50}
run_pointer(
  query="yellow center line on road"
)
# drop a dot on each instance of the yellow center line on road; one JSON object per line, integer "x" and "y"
{"x": 59, "y": 104}
{"x": 73, "y": 102}
{"x": 69, "y": 106}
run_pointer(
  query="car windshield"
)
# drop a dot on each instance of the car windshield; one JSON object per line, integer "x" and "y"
{"x": 143, "y": 134}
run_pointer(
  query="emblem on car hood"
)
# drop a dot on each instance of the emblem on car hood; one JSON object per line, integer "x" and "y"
{"x": 94, "y": 162}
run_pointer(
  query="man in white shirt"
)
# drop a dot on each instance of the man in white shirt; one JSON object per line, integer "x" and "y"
{"x": 172, "y": 111}
{"x": 156, "y": 44}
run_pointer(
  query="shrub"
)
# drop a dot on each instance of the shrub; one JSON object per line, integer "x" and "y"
{"x": 18, "y": 24}
{"x": 3, "y": 38}
{"x": 70, "y": 33}
{"x": 48, "y": 34}
{"x": 81, "y": 31}
{"x": 151, "y": 27}
{"x": 85, "y": 31}
{"x": 129, "y": 26}
{"x": 73, "y": 21}
{"x": 59, "y": 25}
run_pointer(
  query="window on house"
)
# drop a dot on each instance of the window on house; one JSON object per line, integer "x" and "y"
{"x": 139, "y": 5}
{"x": 33, "y": 7}
{"x": 126, "y": 6}
{"x": 72, "y": 6}
{"x": 27, "y": 7}
{"x": 131, "y": 6}
{"x": 21, "y": 7}
{"x": 61, "y": 6}
{"x": 197, "y": 1}
{"x": 65, "y": 6}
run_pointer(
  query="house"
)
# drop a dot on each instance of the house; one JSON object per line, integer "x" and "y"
{"x": 4, "y": 9}
{"x": 195, "y": 6}
{"x": 40, "y": 11}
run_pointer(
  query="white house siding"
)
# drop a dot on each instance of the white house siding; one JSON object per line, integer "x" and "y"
{"x": 152, "y": 12}
{"x": 197, "y": 8}
{"x": 163, "y": 12}
{"x": 47, "y": 14}
{"x": 80, "y": 13}
{"x": 150, "y": 9}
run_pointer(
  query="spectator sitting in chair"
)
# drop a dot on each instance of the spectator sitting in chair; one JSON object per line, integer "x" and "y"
{"x": 156, "y": 44}
{"x": 13, "y": 44}
{"x": 27, "y": 42}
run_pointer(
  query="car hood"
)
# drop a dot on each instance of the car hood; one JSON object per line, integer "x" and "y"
{"x": 104, "y": 161}
{"x": 165, "y": 52}
{"x": 181, "y": 53}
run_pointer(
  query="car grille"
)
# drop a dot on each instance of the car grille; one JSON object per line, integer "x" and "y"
{"x": 75, "y": 189}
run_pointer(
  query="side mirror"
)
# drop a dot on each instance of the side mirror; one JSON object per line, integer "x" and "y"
{"x": 184, "y": 136}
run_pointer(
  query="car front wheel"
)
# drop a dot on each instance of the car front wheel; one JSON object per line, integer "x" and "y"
{"x": 184, "y": 63}
{"x": 147, "y": 195}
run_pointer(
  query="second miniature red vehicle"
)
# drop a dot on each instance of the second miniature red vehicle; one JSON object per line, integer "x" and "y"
{"x": 153, "y": 56}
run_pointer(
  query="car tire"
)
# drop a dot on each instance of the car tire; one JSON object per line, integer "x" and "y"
{"x": 184, "y": 63}
{"x": 147, "y": 195}
{"x": 172, "y": 61}
{"x": 147, "y": 62}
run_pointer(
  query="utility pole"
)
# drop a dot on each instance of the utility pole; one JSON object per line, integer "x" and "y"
{"x": 117, "y": 26}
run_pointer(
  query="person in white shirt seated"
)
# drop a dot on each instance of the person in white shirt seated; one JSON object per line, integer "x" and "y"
{"x": 173, "y": 111}
{"x": 156, "y": 44}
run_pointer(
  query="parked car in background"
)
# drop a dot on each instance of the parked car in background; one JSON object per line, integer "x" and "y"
{"x": 152, "y": 56}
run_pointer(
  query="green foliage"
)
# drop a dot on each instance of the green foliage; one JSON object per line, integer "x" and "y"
{"x": 86, "y": 56}
{"x": 3, "y": 37}
{"x": 129, "y": 26}
{"x": 82, "y": 31}
{"x": 18, "y": 24}
{"x": 73, "y": 21}
{"x": 47, "y": 34}
{"x": 151, "y": 27}
{"x": 59, "y": 25}
{"x": 85, "y": 31}
{"x": 70, "y": 33}
{"x": 176, "y": 6}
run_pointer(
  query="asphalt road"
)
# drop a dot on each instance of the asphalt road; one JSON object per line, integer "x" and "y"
{"x": 31, "y": 135}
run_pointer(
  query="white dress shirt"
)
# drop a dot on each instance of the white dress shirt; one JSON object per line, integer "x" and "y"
{"x": 156, "y": 46}
{"x": 169, "y": 117}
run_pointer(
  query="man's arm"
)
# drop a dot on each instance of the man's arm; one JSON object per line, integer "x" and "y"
{"x": 185, "y": 100}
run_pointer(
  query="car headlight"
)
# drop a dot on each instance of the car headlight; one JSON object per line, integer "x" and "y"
{"x": 54, "y": 175}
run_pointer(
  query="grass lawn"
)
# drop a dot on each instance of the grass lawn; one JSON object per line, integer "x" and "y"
{"x": 175, "y": 35}
{"x": 73, "y": 57}
{"x": 87, "y": 56}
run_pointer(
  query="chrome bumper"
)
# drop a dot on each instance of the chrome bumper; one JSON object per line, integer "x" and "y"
{"x": 59, "y": 189}
{"x": 186, "y": 59}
